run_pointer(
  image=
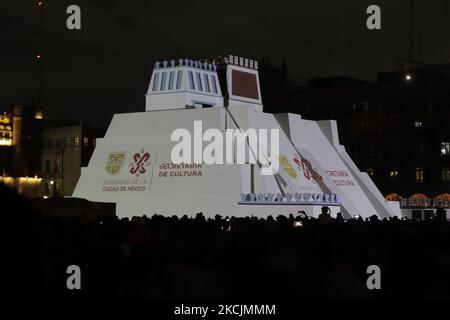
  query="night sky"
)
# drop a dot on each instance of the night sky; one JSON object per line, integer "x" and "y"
{"x": 105, "y": 68}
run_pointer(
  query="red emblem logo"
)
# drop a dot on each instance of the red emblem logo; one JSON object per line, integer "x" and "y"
{"x": 140, "y": 161}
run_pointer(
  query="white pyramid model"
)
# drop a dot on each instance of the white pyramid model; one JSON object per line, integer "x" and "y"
{"x": 132, "y": 167}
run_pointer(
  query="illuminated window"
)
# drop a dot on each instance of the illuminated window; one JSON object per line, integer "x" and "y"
{"x": 67, "y": 141}
{"x": 393, "y": 175}
{"x": 77, "y": 142}
{"x": 419, "y": 175}
{"x": 446, "y": 174}
{"x": 445, "y": 149}
{"x": 418, "y": 124}
{"x": 39, "y": 115}
{"x": 86, "y": 141}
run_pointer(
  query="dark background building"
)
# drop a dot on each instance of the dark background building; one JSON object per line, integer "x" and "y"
{"x": 68, "y": 146}
{"x": 20, "y": 147}
{"x": 40, "y": 157}
{"x": 397, "y": 129}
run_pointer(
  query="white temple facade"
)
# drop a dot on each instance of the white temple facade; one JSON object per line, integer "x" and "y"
{"x": 183, "y": 83}
{"x": 132, "y": 165}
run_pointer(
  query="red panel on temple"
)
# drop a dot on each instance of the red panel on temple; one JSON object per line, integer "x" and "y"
{"x": 244, "y": 84}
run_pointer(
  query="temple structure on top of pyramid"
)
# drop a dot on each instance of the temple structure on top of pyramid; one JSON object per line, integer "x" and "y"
{"x": 132, "y": 165}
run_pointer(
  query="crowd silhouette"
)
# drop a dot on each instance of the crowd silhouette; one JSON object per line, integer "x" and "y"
{"x": 173, "y": 258}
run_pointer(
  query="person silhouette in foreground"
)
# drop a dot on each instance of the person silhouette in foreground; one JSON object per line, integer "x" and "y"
{"x": 21, "y": 267}
{"x": 325, "y": 217}
{"x": 339, "y": 218}
{"x": 441, "y": 215}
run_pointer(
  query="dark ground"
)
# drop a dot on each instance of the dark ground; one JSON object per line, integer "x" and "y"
{"x": 164, "y": 258}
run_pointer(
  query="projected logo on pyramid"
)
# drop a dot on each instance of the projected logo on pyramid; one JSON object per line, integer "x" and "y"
{"x": 286, "y": 165}
{"x": 314, "y": 168}
{"x": 139, "y": 163}
{"x": 115, "y": 162}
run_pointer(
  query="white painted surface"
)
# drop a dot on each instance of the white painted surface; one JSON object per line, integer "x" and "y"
{"x": 395, "y": 207}
{"x": 217, "y": 190}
